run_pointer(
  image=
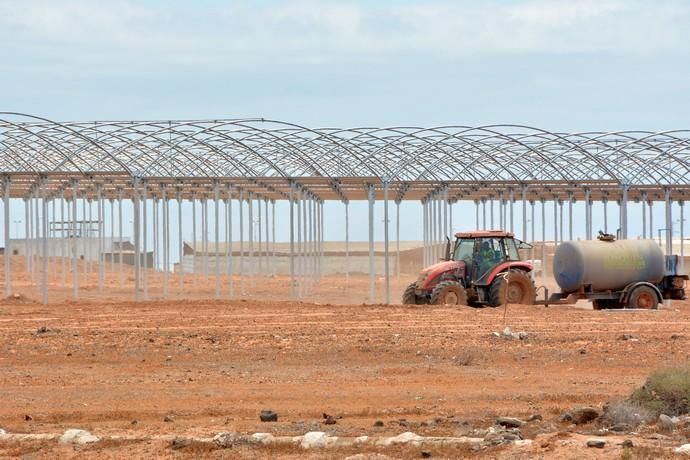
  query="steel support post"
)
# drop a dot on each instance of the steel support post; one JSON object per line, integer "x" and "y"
{"x": 305, "y": 242}
{"x": 370, "y": 195}
{"x": 450, "y": 217}
{"x": 560, "y": 220}
{"x": 63, "y": 240}
{"x": 44, "y": 241}
{"x": 491, "y": 211}
{"x": 397, "y": 237}
{"x": 101, "y": 266}
{"x": 266, "y": 251}
{"x": 681, "y": 204}
{"x": 444, "y": 203}
{"x": 241, "y": 205}
{"x": 424, "y": 233}
{"x": 204, "y": 236}
{"x": 89, "y": 249}
{"x": 194, "y": 242}
{"x": 36, "y": 224}
{"x": 292, "y": 241}
{"x": 524, "y": 212}
{"x": 165, "y": 203}
{"x": 347, "y": 242}
{"x": 512, "y": 210}
{"x": 501, "y": 202}
{"x": 322, "y": 228}
{"x": 543, "y": 241}
{"x": 216, "y": 225}
{"x": 300, "y": 260}
{"x": 624, "y": 212}
{"x": 180, "y": 242}
{"x": 112, "y": 235}
{"x": 119, "y": 223}
{"x": 570, "y": 215}
{"x": 8, "y": 250}
{"x": 144, "y": 237}
{"x": 137, "y": 239}
{"x": 154, "y": 218}
{"x": 273, "y": 236}
{"x": 440, "y": 228}
{"x": 643, "y": 200}
{"x": 669, "y": 222}
{"x": 651, "y": 219}
{"x": 555, "y": 222}
{"x": 531, "y": 250}
{"x": 250, "y": 216}
{"x": 259, "y": 235}
{"x": 75, "y": 256}
{"x": 230, "y": 261}
{"x": 386, "y": 262}
{"x": 605, "y": 201}
{"x": 27, "y": 236}
{"x": 476, "y": 214}
{"x": 483, "y": 214}
{"x": 588, "y": 214}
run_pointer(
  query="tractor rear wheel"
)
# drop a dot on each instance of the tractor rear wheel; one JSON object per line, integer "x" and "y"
{"x": 410, "y": 296}
{"x": 448, "y": 293}
{"x": 643, "y": 298}
{"x": 514, "y": 286}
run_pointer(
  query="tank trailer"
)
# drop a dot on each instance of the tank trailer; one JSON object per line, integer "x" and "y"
{"x": 615, "y": 274}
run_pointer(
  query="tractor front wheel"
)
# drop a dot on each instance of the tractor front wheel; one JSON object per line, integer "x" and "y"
{"x": 410, "y": 296}
{"x": 448, "y": 293}
{"x": 514, "y": 286}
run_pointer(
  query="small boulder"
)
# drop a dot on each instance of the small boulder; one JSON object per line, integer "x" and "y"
{"x": 329, "y": 420}
{"x": 425, "y": 454}
{"x": 627, "y": 444}
{"x": 509, "y": 422}
{"x": 596, "y": 443}
{"x": 566, "y": 417}
{"x": 666, "y": 423}
{"x": 378, "y": 423}
{"x": 581, "y": 415}
{"x": 314, "y": 440}
{"x": 75, "y": 436}
{"x": 684, "y": 449}
{"x": 225, "y": 440}
{"x": 261, "y": 438}
{"x": 535, "y": 418}
{"x": 403, "y": 438}
{"x": 631, "y": 337}
{"x": 180, "y": 443}
{"x": 168, "y": 418}
{"x": 268, "y": 416}
{"x": 2, "y": 432}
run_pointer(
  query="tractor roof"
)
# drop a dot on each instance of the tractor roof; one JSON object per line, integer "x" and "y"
{"x": 484, "y": 234}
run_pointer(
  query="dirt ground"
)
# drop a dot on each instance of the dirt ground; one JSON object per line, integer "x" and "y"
{"x": 115, "y": 367}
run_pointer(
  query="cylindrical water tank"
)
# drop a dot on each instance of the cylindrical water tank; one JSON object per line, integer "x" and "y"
{"x": 606, "y": 265}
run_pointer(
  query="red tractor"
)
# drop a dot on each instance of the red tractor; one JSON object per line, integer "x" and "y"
{"x": 483, "y": 269}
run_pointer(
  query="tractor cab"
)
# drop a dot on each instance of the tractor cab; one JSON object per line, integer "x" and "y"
{"x": 480, "y": 268}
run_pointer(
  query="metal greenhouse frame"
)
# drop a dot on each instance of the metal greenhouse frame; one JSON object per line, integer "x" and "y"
{"x": 66, "y": 164}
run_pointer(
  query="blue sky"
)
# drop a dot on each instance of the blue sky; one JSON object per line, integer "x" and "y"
{"x": 560, "y": 65}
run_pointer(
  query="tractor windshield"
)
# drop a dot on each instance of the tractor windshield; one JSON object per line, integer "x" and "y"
{"x": 464, "y": 248}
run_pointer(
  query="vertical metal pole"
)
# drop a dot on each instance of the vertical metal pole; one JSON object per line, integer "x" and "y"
{"x": 424, "y": 233}
{"x": 144, "y": 188}
{"x": 524, "y": 212}
{"x": 681, "y": 203}
{"x": 372, "y": 293}
{"x": 27, "y": 237}
{"x": 180, "y": 242}
{"x": 440, "y": 227}
{"x": 230, "y": 267}
{"x": 63, "y": 240}
{"x": 491, "y": 209}
{"x": 137, "y": 239}
{"x": 643, "y": 200}
{"x": 241, "y": 204}
{"x": 204, "y": 236}
{"x": 444, "y": 204}
{"x": 156, "y": 261}
{"x": 511, "y": 197}
{"x": 651, "y": 219}
{"x": 195, "y": 245}
{"x": 531, "y": 251}
{"x": 623, "y": 212}
{"x": 385, "y": 239}
{"x": 8, "y": 249}
{"x": 250, "y": 203}
{"x": 273, "y": 235}
{"x": 101, "y": 274}
{"x": 299, "y": 244}
{"x": 268, "y": 263}
{"x": 560, "y": 221}
{"x": 119, "y": 223}
{"x": 555, "y": 222}
{"x": 89, "y": 248}
{"x": 165, "y": 238}
{"x": 292, "y": 242}
{"x": 44, "y": 235}
{"x": 570, "y": 216}
{"x": 216, "y": 223}
{"x": 588, "y": 214}
{"x": 543, "y": 241}
{"x": 112, "y": 235}
{"x": 669, "y": 222}
{"x": 606, "y": 217}
{"x": 483, "y": 214}
{"x": 259, "y": 237}
{"x": 501, "y": 202}
{"x": 476, "y": 214}
{"x": 75, "y": 256}
{"x": 347, "y": 241}
{"x": 397, "y": 236}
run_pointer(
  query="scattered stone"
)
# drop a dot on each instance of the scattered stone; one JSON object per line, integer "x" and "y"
{"x": 630, "y": 337}
{"x": 134, "y": 422}
{"x": 535, "y": 418}
{"x": 509, "y": 334}
{"x": 329, "y": 420}
{"x": 684, "y": 449}
{"x": 2, "y": 432}
{"x": 75, "y": 436}
{"x": 425, "y": 454}
{"x": 627, "y": 444}
{"x": 666, "y": 423}
{"x": 368, "y": 456}
{"x": 261, "y": 438}
{"x": 509, "y": 422}
{"x": 620, "y": 428}
{"x": 404, "y": 438}
{"x": 402, "y": 422}
{"x": 596, "y": 443}
{"x": 378, "y": 423}
{"x": 180, "y": 443}
{"x": 496, "y": 436}
{"x": 42, "y": 330}
{"x": 168, "y": 418}
{"x": 225, "y": 440}
{"x": 677, "y": 336}
{"x": 581, "y": 415}
{"x": 496, "y": 334}
{"x": 314, "y": 439}
{"x": 523, "y": 443}
{"x": 583, "y": 351}
{"x": 566, "y": 417}
{"x": 28, "y": 418}
{"x": 268, "y": 416}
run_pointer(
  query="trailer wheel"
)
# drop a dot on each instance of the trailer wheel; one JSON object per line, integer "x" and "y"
{"x": 519, "y": 289}
{"x": 410, "y": 296}
{"x": 448, "y": 293}
{"x": 643, "y": 298}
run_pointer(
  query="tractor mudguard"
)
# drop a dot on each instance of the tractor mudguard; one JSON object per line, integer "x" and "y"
{"x": 428, "y": 278}
{"x": 505, "y": 266}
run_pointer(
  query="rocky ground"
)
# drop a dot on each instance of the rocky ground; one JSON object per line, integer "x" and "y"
{"x": 162, "y": 378}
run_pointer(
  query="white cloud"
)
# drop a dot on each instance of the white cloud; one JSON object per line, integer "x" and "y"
{"x": 247, "y": 34}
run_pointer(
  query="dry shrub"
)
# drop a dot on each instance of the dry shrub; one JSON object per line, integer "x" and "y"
{"x": 626, "y": 412}
{"x": 666, "y": 391}
{"x": 464, "y": 358}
